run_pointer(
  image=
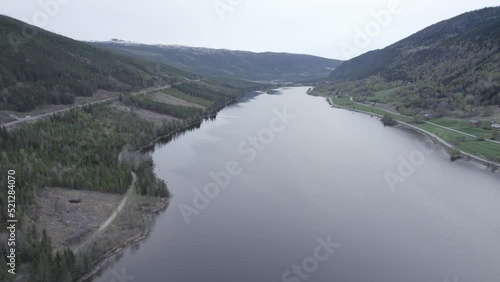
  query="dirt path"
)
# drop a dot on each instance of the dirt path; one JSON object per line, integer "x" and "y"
{"x": 120, "y": 206}
{"x": 115, "y": 213}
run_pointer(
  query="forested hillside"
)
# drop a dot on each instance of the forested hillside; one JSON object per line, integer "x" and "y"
{"x": 46, "y": 68}
{"x": 452, "y": 67}
{"x": 231, "y": 64}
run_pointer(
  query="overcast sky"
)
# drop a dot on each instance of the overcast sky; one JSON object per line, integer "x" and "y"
{"x": 337, "y": 29}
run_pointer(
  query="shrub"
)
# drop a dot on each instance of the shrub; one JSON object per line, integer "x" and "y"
{"x": 388, "y": 120}
{"x": 455, "y": 154}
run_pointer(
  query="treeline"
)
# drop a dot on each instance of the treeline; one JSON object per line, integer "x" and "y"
{"x": 212, "y": 93}
{"x": 177, "y": 111}
{"x": 148, "y": 183}
{"x": 45, "y": 266}
{"x": 142, "y": 164}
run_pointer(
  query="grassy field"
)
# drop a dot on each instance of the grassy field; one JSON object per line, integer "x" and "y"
{"x": 383, "y": 96}
{"x": 483, "y": 149}
{"x": 464, "y": 126}
{"x": 447, "y": 135}
{"x": 468, "y": 144}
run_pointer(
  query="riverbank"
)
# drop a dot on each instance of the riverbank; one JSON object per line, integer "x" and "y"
{"x": 432, "y": 136}
{"x": 119, "y": 248}
{"x": 155, "y": 206}
{"x": 166, "y": 138}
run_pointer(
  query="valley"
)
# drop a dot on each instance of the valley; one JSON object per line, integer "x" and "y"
{"x": 159, "y": 161}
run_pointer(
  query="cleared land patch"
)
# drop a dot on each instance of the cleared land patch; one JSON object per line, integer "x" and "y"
{"x": 70, "y": 224}
{"x": 172, "y": 100}
{"x": 156, "y": 118}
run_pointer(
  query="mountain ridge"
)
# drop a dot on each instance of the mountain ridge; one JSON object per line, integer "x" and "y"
{"x": 279, "y": 66}
{"x": 426, "y": 36}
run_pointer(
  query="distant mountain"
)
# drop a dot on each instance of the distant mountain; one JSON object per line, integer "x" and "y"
{"x": 226, "y": 63}
{"x": 39, "y": 67}
{"x": 449, "y": 62}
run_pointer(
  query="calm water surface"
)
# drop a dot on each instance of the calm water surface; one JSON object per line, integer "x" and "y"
{"x": 317, "y": 176}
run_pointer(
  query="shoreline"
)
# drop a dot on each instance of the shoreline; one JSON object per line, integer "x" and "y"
{"x": 436, "y": 139}
{"x": 170, "y": 135}
{"x": 118, "y": 249}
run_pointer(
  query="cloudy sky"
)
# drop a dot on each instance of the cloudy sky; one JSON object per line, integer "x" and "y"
{"x": 337, "y": 29}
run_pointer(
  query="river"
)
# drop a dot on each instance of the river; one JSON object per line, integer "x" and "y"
{"x": 284, "y": 188}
